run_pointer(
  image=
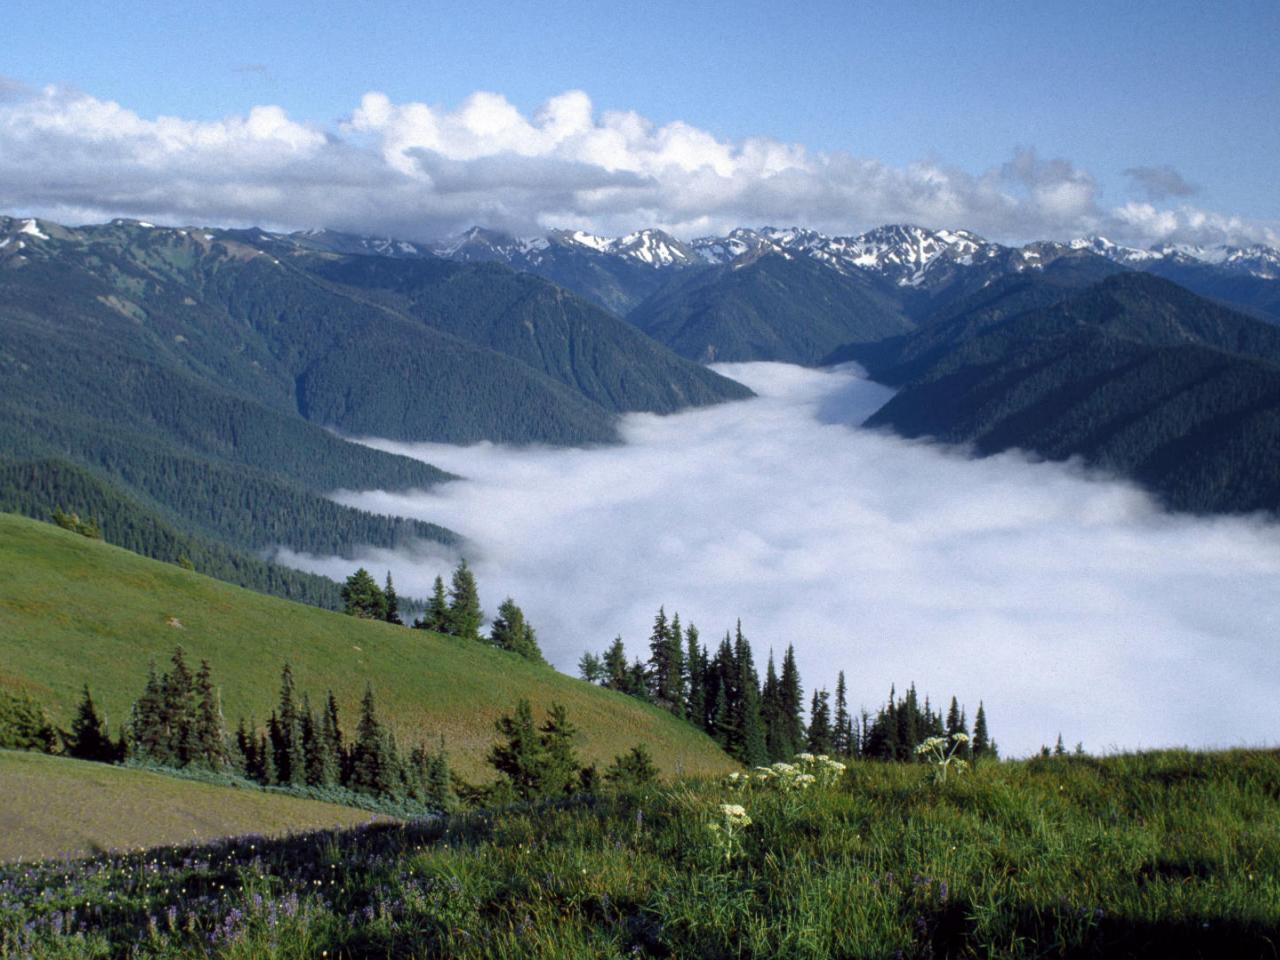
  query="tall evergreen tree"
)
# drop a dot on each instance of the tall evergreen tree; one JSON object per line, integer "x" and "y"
{"x": 695, "y": 672}
{"x": 560, "y": 766}
{"x": 791, "y": 697}
{"x": 510, "y": 631}
{"x": 519, "y": 757}
{"x": 210, "y": 731}
{"x": 981, "y": 738}
{"x": 747, "y": 721}
{"x": 819, "y": 739}
{"x": 289, "y": 756}
{"x": 465, "y": 615}
{"x": 393, "y": 602}
{"x": 436, "y": 616}
{"x": 665, "y": 670}
{"x": 615, "y": 666}
{"x": 89, "y": 738}
{"x": 362, "y": 597}
{"x": 373, "y": 766}
{"x": 842, "y": 735}
{"x": 331, "y": 736}
{"x": 591, "y": 668}
{"x": 179, "y": 711}
{"x": 148, "y": 739}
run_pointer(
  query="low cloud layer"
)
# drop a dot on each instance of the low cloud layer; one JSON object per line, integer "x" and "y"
{"x": 1069, "y": 604}
{"x": 419, "y": 172}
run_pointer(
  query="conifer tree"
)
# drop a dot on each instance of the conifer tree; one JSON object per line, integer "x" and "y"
{"x": 637, "y": 681}
{"x": 791, "y": 697}
{"x": 635, "y": 769}
{"x": 210, "y": 732}
{"x": 510, "y": 631}
{"x": 465, "y": 615}
{"x": 290, "y": 758}
{"x": 436, "y": 616}
{"x": 321, "y": 770}
{"x": 362, "y": 597}
{"x": 147, "y": 735}
{"x": 615, "y": 666}
{"x": 591, "y": 668}
{"x": 981, "y": 738}
{"x": 909, "y": 725}
{"x": 842, "y": 736}
{"x": 245, "y": 751}
{"x": 1059, "y": 748}
{"x": 373, "y": 767}
{"x": 89, "y": 738}
{"x": 819, "y": 739}
{"x": 772, "y": 714}
{"x": 331, "y": 736}
{"x": 560, "y": 766}
{"x": 752, "y": 750}
{"x": 664, "y": 675}
{"x": 393, "y": 602}
{"x": 695, "y": 670}
{"x": 179, "y": 712}
{"x": 519, "y": 757}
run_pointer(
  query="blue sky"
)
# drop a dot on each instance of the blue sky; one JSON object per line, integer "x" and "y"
{"x": 1108, "y": 87}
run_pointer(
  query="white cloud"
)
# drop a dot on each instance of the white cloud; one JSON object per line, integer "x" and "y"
{"x": 418, "y": 171}
{"x": 1069, "y": 604}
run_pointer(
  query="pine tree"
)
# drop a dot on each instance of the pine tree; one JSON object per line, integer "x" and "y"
{"x": 362, "y": 597}
{"x": 290, "y": 759}
{"x": 909, "y": 725}
{"x": 751, "y": 749}
{"x": 615, "y": 666}
{"x": 148, "y": 739}
{"x": 519, "y": 758}
{"x": 695, "y": 672}
{"x": 591, "y": 668}
{"x": 89, "y": 738}
{"x": 559, "y": 774}
{"x": 436, "y": 616}
{"x": 179, "y": 711}
{"x": 373, "y": 767}
{"x": 842, "y": 736}
{"x": 510, "y": 631}
{"x": 331, "y": 737}
{"x": 210, "y": 732}
{"x": 393, "y": 602}
{"x": 465, "y": 615}
{"x": 321, "y": 771}
{"x": 981, "y": 738}
{"x": 633, "y": 770}
{"x": 1059, "y": 749}
{"x": 819, "y": 739}
{"x": 772, "y": 714}
{"x": 664, "y": 675}
{"x": 791, "y": 696}
{"x": 245, "y": 751}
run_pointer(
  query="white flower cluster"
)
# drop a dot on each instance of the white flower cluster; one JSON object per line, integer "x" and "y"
{"x": 807, "y": 771}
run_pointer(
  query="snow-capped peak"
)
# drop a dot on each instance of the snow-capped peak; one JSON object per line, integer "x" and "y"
{"x": 32, "y": 229}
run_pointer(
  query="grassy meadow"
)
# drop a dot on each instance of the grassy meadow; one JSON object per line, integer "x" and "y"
{"x": 56, "y": 806}
{"x": 1168, "y": 854}
{"x": 76, "y": 611}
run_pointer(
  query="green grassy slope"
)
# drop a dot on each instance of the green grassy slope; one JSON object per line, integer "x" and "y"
{"x": 76, "y": 611}
{"x": 54, "y": 806}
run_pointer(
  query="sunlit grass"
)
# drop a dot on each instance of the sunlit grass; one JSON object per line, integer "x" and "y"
{"x": 1161, "y": 854}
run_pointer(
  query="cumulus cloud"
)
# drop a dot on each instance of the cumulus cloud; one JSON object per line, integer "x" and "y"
{"x": 1067, "y": 602}
{"x": 420, "y": 171}
{"x": 1160, "y": 183}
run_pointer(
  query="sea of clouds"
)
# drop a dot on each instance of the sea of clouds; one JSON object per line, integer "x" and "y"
{"x": 1067, "y": 602}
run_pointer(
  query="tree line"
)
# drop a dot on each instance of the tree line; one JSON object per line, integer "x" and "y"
{"x": 760, "y": 722}
{"x": 456, "y": 612}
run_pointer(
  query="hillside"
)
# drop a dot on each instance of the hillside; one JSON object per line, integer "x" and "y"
{"x": 1134, "y": 375}
{"x": 76, "y": 611}
{"x": 55, "y": 806}
{"x": 1169, "y": 854}
{"x": 791, "y": 310}
{"x": 200, "y": 372}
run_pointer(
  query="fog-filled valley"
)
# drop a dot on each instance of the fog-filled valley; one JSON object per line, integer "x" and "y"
{"x": 1068, "y": 602}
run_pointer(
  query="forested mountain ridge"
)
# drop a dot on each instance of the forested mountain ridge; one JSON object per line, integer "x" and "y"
{"x": 1134, "y": 375}
{"x": 198, "y": 371}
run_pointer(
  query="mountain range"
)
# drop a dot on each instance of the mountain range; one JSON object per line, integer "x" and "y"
{"x": 198, "y": 385}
